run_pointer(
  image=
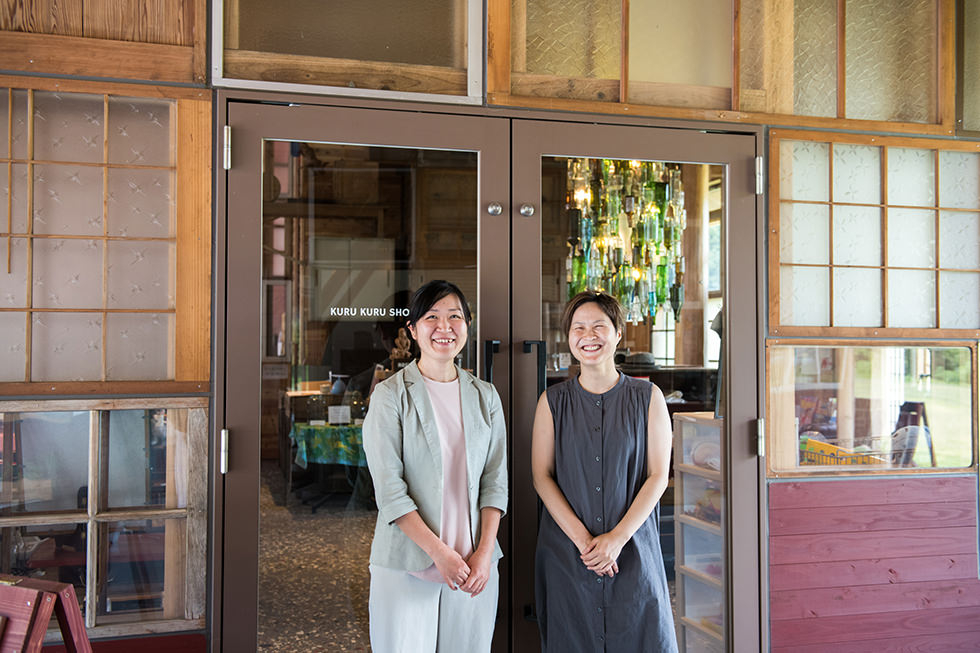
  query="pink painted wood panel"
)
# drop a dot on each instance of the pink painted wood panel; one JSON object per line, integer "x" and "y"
{"x": 948, "y": 643}
{"x": 831, "y": 546}
{"x": 834, "y": 519}
{"x": 868, "y": 599}
{"x": 871, "y": 491}
{"x": 873, "y": 572}
{"x": 884, "y": 625}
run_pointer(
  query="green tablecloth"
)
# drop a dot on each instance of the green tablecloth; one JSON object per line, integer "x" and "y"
{"x": 328, "y": 444}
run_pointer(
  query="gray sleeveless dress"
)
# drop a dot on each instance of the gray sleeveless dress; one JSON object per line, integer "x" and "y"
{"x": 600, "y": 465}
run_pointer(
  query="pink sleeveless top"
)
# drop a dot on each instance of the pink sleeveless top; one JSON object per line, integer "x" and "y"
{"x": 455, "y": 524}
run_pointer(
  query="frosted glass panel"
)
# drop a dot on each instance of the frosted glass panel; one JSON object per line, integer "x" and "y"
{"x": 141, "y": 274}
{"x": 570, "y": 38}
{"x": 67, "y": 273}
{"x": 68, "y": 200}
{"x": 857, "y": 174}
{"x": 18, "y": 203}
{"x": 970, "y": 89}
{"x": 804, "y": 170}
{"x": 141, "y": 203}
{"x": 959, "y": 180}
{"x": 959, "y": 240}
{"x": 19, "y": 126}
{"x": 13, "y": 285}
{"x": 804, "y": 296}
{"x": 911, "y": 238}
{"x": 66, "y": 347}
{"x": 891, "y": 60}
{"x": 140, "y": 346}
{"x": 912, "y": 298}
{"x": 815, "y": 58}
{"x": 68, "y": 127}
{"x": 804, "y": 233}
{"x": 54, "y": 458}
{"x": 857, "y": 235}
{"x": 857, "y": 297}
{"x": 959, "y": 300}
{"x": 13, "y": 349}
{"x": 911, "y": 176}
{"x": 140, "y": 131}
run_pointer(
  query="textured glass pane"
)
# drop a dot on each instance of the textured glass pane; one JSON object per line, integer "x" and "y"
{"x": 66, "y": 347}
{"x": 571, "y": 38}
{"x": 4, "y": 114}
{"x": 959, "y": 180}
{"x": 13, "y": 284}
{"x": 420, "y": 32}
{"x": 140, "y": 346}
{"x": 804, "y": 233}
{"x": 911, "y": 176}
{"x": 68, "y": 200}
{"x": 13, "y": 349}
{"x": 857, "y": 235}
{"x": 136, "y": 576}
{"x": 804, "y": 170}
{"x": 141, "y": 274}
{"x": 69, "y": 127}
{"x": 857, "y": 297}
{"x": 911, "y": 238}
{"x": 959, "y": 300}
{"x": 141, "y": 203}
{"x": 857, "y": 174}
{"x": 53, "y": 457}
{"x": 804, "y": 296}
{"x": 67, "y": 273}
{"x": 48, "y": 551}
{"x": 970, "y": 89}
{"x": 912, "y": 298}
{"x": 959, "y": 240}
{"x": 142, "y": 444}
{"x": 140, "y": 131}
{"x": 696, "y": 37}
{"x": 815, "y": 58}
{"x": 19, "y": 201}
{"x": 20, "y": 125}
{"x": 891, "y": 60}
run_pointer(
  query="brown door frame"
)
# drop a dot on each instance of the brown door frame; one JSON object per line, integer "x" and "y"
{"x": 238, "y": 280}
{"x": 737, "y": 151}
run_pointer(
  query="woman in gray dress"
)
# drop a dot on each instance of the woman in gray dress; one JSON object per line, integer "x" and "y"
{"x": 600, "y": 457}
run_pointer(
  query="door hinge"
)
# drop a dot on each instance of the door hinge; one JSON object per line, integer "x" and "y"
{"x": 760, "y": 437}
{"x": 760, "y": 176}
{"x": 223, "y": 457}
{"x": 226, "y": 148}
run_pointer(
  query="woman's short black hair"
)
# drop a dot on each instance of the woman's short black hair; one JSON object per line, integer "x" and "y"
{"x": 426, "y": 296}
{"x": 606, "y": 302}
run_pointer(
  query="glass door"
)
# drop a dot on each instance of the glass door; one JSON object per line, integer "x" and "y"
{"x": 335, "y": 216}
{"x": 654, "y": 217}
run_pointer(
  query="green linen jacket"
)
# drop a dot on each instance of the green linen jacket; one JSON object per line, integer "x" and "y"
{"x": 401, "y": 443}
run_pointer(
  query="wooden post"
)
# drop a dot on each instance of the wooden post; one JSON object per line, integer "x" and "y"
{"x": 689, "y": 333}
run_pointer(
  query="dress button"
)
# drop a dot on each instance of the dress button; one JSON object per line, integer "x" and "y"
{"x": 598, "y": 402}
{"x": 599, "y": 579}
{"x": 598, "y": 489}
{"x": 597, "y": 458}
{"x": 598, "y": 518}
{"x": 595, "y": 428}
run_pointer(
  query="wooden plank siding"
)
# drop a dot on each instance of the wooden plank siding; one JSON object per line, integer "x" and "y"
{"x": 885, "y": 564}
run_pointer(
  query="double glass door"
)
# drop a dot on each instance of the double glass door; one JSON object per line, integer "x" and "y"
{"x": 334, "y": 217}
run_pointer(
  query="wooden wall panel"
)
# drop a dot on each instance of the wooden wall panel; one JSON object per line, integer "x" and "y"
{"x": 874, "y": 564}
{"x": 41, "y": 16}
{"x": 168, "y": 22}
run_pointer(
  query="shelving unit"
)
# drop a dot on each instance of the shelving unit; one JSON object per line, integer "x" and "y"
{"x": 699, "y": 532}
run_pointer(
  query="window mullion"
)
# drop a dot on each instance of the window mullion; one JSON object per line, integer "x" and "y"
{"x": 92, "y": 528}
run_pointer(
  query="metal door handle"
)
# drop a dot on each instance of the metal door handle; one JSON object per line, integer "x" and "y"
{"x": 494, "y": 208}
{"x": 542, "y": 359}
{"x": 527, "y": 210}
{"x": 490, "y": 347}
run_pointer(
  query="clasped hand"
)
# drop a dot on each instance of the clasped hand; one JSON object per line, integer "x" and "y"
{"x": 600, "y": 554}
{"x": 469, "y": 575}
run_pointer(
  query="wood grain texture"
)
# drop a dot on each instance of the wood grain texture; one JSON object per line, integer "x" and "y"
{"x": 832, "y": 519}
{"x": 829, "y": 547}
{"x": 166, "y": 22}
{"x": 863, "y": 627}
{"x": 60, "y": 17}
{"x": 948, "y": 643}
{"x": 296, "y": 69}
{"x": 87, "y": 57}
{"x": 867, "y": 599}
{"x": 864, "y": 492}
{"x": 501, "y": 51}
{"x": 193, "y": 295}
{"x": 880, "y": 571}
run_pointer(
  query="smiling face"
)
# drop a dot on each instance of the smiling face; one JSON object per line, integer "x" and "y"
{"x": 592, "y": 337}
{"x": 441, "y": 331}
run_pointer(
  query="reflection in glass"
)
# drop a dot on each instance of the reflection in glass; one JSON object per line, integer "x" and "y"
{"x": 147, "y": 458}
{"x": 54, "y": 552}
{"x": 873, "y": 407}
{"x": 348, "y": 234}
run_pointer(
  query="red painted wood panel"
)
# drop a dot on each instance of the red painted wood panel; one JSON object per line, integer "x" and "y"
{"x": 863, "y": 627}
{"x": 948, "y": 643}
{"x": 828, "y": 547}
{"x": 873, "y": 572}
{"x": 834, "y": 519}
{"x": 871, "y": 491}
{"x": 867, "y": 599}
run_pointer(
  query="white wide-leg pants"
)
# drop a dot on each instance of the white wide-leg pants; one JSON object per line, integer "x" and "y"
{"x": 410, "y": 615}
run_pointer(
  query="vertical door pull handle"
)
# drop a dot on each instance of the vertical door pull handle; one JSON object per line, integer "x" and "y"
{"x": 223, "y": 454}
{"x": 490, "y": 347}
{"x": 542, "y": 359}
